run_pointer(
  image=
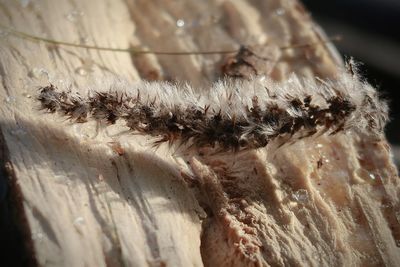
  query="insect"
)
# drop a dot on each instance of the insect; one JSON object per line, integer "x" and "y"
{"x": 222, "y": 116}
{"x": 227, "y": 118}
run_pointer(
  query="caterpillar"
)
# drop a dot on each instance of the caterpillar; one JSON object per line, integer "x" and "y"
{"x": 233, "y": 114}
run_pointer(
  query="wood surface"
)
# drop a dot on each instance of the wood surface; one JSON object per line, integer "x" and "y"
{"x": 96, "y": 197}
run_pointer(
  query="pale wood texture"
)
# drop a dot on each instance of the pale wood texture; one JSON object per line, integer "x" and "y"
{"x": 113, "y": 200}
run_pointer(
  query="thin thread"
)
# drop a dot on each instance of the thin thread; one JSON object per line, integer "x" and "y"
{"x": 141, "y": 52}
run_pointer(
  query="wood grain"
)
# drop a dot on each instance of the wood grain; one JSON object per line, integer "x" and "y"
{"x": 107, "y": 199}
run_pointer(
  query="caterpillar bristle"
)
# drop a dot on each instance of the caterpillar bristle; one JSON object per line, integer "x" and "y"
{"x": 228, "y": 118}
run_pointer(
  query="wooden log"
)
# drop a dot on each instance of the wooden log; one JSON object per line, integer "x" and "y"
{"x": 90, "y": 197}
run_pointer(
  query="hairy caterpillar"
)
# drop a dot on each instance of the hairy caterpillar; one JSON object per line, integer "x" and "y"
{"x": 233, "y": 114}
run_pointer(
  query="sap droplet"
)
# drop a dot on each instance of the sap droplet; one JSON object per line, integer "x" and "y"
{"x": 85, "y": 68}
{"x": 262, "y": 78}
{"x": 180, "y": 23}
{"x": 372, "y": 176}
{"x": 10, "y": 99}
{"x": 81, "y": 71}
{"x": 319, "y": 146}
{"x": 27, "y": 95}
{"x": 74, "y": 15}
{"x": 316, "y": 256}
{"x": 38, "y": 73}
{"x": 280, "y": 11}
{"x": 38, "y": 236}
{"x": 62, "y": 180}
{"x": 100, "y": 177}
{"x": 301, "y": 196}
{"x": 79, "y": 221}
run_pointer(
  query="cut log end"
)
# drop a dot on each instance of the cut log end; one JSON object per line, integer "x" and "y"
{"x": 95, "y": 196}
